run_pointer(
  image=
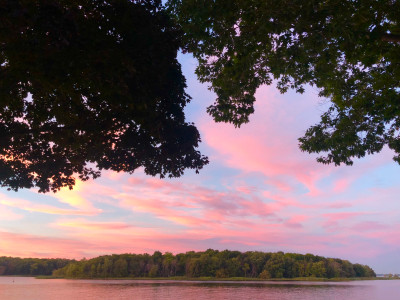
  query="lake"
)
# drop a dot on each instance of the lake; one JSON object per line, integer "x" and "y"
{"x": 28, "y": 288}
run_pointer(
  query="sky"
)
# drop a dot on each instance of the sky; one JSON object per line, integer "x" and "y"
{"x": 259, "y": 193}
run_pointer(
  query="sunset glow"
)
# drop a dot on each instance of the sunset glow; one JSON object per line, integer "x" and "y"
{"x": 259, "y": 192}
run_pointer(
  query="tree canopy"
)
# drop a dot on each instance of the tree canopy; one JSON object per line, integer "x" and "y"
{"x": 31, "y": 266}
{"x": 348, "y": 49}
{"x": 214, "y": 263}
{"x": 89, "y": 85}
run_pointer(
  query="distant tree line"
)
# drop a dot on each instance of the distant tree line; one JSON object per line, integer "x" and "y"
{"x": 31, "y": 266}
{"x": 214, "y": 263}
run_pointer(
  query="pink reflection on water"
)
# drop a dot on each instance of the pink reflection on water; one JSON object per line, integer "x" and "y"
{"x": 21, "y": 288}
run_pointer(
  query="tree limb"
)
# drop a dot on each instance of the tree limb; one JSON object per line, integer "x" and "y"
{"x": 389, "y": 37}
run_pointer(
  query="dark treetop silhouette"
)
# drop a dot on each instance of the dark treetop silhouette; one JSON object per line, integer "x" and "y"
{"x": 348, "y": 49}
{"x": 90, "y": 85}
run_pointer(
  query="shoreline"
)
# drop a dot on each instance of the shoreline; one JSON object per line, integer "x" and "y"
{"x": 229, "y": 279}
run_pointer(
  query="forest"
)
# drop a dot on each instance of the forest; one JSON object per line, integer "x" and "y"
{"x": 214, "y": 263}
{"x": 31, "y": 266}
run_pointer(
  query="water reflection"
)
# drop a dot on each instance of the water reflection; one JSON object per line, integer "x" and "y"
{"x": 60, "y": 289}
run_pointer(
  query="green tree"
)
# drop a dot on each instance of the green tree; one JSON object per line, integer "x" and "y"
{"x": 318, "y": 269}
{"x": 107, "y": 266}
{"x": 34, "y": 269}
{"x": 193, "y": 267}
{"x": 154, "y": 270}
{"x": 245, "y": 269}
{"x": 347, "y": 268}
{"x": 168, "y": 264}
{"x": 136, "y": 266}
{"x": 93, "y": 271}
{"x": 120, "y": 268}
{"x": 348, "y": 49}
{"x": 275, "y": 266}
{"x": 290, "y": 266}
{"x": 157, "y": 257}
{"x": 257, "y": 261}
{"x": 90, "y": 85}
{"x": 208, "y": 264}
{"x": 334, "y": 268}
{"x": 73, "y": 271}
{"x": 196, "y": 264}
{"x": 99, "y": 270}
{"x": 265, "y": 274}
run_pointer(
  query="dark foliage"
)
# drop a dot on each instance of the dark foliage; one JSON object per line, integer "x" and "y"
{"x": 348, "y": 49}
{"x": 31, "y": 266}
{"x": 90, "y": 85}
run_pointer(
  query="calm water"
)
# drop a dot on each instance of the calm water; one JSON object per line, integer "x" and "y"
{"x": 25, "y": 288}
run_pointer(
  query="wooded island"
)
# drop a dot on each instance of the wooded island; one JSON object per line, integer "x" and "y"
{"x": 210, "y": 263}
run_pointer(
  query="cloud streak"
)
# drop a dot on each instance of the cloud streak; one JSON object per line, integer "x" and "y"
{"x": 30, "y": 206}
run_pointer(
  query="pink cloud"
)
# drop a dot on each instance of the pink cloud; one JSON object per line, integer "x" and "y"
{"x": 369, "y": 226}
{"x": 339, "y": 205}
{"x": 81, "y": 224}
{"x": 76, "y": 198}
{"x": 388, "y": 237}
{"x": 341, "y": 185}
{"x": 26, "y": 245}
{"x": 200, "y": 217}
{"x": 268, "y": 144}
{"x": 246, "y": 189}
{"x": 296, "y": 221}
{"x": 188, "y": 204}
{"x": 262, "y": 220}
{"x": 342, "y": 215}
{"x": 41, "y": 208}
{"x": 332, "y": 220}
{"x": 7, "y": 214}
